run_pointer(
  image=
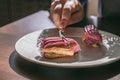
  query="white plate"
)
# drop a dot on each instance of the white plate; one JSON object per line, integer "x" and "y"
{"x": 89, "y": 57}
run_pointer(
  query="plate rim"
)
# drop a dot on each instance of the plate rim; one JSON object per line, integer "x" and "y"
{"x": 65, "y": 65}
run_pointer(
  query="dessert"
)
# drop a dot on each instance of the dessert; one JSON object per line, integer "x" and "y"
{"x": 56, "y": 47}
{"x": 91, "y": 36}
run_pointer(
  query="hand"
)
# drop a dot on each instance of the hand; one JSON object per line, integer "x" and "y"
{"x": 66, "y": 12}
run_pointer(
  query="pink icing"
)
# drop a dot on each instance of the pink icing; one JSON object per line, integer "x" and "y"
{"x": 92, "y": 35}
{"x": 54, "y": 41}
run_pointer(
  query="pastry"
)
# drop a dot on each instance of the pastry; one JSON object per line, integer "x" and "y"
{"x": 56, "y": 47}
{"x": 91, "y": 36}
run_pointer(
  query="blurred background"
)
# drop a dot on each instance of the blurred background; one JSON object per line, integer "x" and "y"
{"x": 11, "y": 10}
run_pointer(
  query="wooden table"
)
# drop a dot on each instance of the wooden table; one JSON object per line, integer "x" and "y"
{"x": 13, "y": 67}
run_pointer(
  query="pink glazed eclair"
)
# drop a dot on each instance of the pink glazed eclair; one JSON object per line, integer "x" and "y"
{"x": 56, "y": 47}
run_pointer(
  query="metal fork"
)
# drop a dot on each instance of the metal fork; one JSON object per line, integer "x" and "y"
{"x": 61, "y": 34}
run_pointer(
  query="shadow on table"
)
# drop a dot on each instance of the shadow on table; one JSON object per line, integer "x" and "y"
{"x": 39, "y": 72}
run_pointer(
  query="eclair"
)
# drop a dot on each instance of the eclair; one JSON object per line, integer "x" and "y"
{"x": 57, "y": 47}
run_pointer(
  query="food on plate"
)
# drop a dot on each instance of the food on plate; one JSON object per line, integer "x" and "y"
{"x": 91, "y": 36}
{"x": 56, "y": 47}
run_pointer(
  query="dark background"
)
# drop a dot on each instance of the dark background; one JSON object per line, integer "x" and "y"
{"x": 11, "y": 10}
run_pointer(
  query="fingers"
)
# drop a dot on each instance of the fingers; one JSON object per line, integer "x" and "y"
{"x": 72, "y": 12}
{"x": 77, "y": 15}
{"x": 53, "y": 4}
{"x": 56, "y": 10}
{"x": 66, "y": 12}
{"x": 57, "y": 14}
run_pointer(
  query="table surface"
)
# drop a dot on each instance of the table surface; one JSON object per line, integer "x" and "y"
{"x": 14, "y": 67}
